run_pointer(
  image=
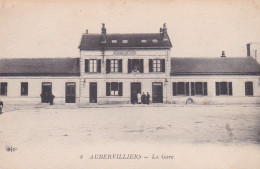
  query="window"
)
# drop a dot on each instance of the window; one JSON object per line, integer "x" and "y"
{"x": 125, "y": 41}
{"x": 144, "y": 41}
{"x": 3, "y": 88}
{"x": 156, "y": 65}
{"x": 224, "y": 88}
{"x": 155, "y": 41}
{"x": 113, "y": 65}
{"x": 93, "y": 65}
{"x": 114, "y": 89}
{"x": 180, "y": 88}
{"x": 24, "y": 89}
{"x": 199, "y": 88}
{"x": 249, "y": 89}
{"x": 114, "y": 41}
{"x": 135, "y": 65}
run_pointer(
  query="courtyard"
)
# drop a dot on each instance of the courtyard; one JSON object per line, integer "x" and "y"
{"x": 204, "y": 136}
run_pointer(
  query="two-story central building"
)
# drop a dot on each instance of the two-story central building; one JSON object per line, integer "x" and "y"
{"x": 114, "y": 68}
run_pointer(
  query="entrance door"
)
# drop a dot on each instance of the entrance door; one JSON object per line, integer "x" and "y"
{"x": 135, "y": 89}
{"x": 157, "y": 92}
{"x": 92, "y": 92}
{"x": 70, "y": 92}
{"x": 46, "y": 92}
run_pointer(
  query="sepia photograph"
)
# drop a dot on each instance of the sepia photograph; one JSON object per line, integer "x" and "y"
{"x": 120, "y": 84}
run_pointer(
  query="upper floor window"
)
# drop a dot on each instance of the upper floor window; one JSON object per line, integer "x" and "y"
{"x": 144, "y": 41}
{"x": 155, "y": 41}
{"x": 114, "y": 41}
{"x": 24, "y": 89}
{"x": 135, "y": 65}
{"x": 224, "y": 88}
{"x": 156, "y": 65}
{"x": 114, "y": 89}
{"x": 3, "y": 88}
{"x": 113, "y": 65}
{"x": 93, "y": 65}
{"x": 249, "y": 89}
{"x": 125, "y": 41}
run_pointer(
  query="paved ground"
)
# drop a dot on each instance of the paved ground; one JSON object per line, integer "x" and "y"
{"x": 42, "y": 134}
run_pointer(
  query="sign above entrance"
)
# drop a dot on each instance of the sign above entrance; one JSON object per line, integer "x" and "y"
{"x": 125, "y": 53}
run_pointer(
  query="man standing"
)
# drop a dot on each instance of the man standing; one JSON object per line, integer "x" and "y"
{"x": 1, "y": 106}
{"x": 143, "y": 98}
{"x": 147, "y": 98}
{"x": 51, "y": 99}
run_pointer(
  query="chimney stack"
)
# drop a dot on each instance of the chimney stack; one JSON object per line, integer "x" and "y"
{"x": 104, "y": 31}
{"x": 248, "y": 50}
{"x": 164, "y": 32}
{"x": 86, "y": 31}
{"x": 223, "y": 54}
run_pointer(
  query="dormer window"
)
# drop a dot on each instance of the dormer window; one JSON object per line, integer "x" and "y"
{"x": 144, "y": 41}
{"x": 125, "y": 41}
{"x": 114, "y": 41}
{"x": 155, "y": 41}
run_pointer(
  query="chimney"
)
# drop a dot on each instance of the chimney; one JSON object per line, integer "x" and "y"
{"x": 104, "y": 31}
{"x": 86, "y": 31}
{"x": 248, "y": 50}
{"x": 164, "y": 32}
{"x": 223, "y": 54}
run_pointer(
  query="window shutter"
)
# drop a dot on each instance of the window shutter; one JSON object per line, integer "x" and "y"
{"x": 192, "y": 89}
{"x": 141, "y": 61}
{"x": 120, "y": 89}
{"x": 120, "y": 65}
{"x": 150, "y": 65}
{"x": 230, "y": 92}
{"x": 99, "y": 65}
{"x": 162, "y": 65}
{"x": 217, "y": 89}
{"x": 187, "y": 88}
{"x": 129, "y": 65}
{"x": 174, "y": 88}
{"x": 86, "y": 65}
{"x": 205, "y": 89}
{"x": 108, "y": 89}
{"x": 108, "y": 66}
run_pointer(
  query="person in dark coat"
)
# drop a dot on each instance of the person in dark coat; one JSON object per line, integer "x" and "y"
{"x": 143, "y": 98}
{"x": 51, "y": 99}
{"x": 1, "y": 106}
{"x": 147, "y": 98}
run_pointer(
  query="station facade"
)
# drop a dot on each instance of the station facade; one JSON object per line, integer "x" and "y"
{"x": 114, "y": 68}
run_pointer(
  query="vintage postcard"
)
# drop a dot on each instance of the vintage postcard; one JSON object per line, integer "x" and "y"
{"x": 120, "y": 84}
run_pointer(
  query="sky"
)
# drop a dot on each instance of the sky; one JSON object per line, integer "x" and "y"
{"x": 198, "y": 28}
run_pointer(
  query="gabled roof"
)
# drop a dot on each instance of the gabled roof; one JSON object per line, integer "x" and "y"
{"x": 93, "y": 41}
{"x": 40, "y": 67}
{"x": 215, "y": 66}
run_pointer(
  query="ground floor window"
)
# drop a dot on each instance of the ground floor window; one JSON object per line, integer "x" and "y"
{"x": 24, "y": 88}
{"x": 180, "y": 88}
{"x": 249, "y": 89}
{"x": 199, "y": 88}
{"x": 189, "y": 88}
{"x": 3, "y": 88}
{"x": 224, "y": 88}
{"x": 114, "y": 89}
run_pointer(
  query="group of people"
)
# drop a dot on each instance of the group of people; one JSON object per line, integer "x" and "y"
{"x": 143, "y": 99}
{"x": 50, "y": 97}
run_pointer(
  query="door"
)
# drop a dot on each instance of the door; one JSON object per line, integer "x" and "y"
{"x": 70, "y": 92}
{"x": 157, "y": 92}
{"x": 46, "y": 92}
{"x": 135, "y": 89}
{"x": 92, "y": 92}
